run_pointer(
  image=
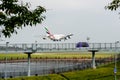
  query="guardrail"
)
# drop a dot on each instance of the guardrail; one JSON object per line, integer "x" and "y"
{"x": 55, "y": 47}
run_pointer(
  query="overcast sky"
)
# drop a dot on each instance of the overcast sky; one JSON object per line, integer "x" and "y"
{"x": 83, "y": 18}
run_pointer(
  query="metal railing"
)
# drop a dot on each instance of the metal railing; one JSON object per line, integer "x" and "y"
{"x": 52, "y": 47}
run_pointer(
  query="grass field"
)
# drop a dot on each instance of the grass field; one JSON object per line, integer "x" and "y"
{"x": 73, "y": 55}
{"x": 56, "y": 55}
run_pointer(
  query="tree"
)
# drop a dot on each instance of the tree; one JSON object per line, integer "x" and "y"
{"x": 115, "y": 4}
{"x": 15, "y": 15}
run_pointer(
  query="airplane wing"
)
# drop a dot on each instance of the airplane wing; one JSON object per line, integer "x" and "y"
{"x": 44, "y": 37}
{"x": 67, "y": 37}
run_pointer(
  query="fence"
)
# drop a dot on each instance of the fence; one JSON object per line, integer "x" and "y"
{"x": 48, "y": 66}
{"x": 55, "y": 47}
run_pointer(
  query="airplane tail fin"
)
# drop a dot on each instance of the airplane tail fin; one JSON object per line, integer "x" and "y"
{"x": 47, "y": 31}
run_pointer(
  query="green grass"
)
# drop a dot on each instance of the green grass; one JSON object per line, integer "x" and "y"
{"x": 101, "y": 73}
{"x": 98, "y": 74}
{"x": 47, "y": 77}
{"x": 56, "y": 55}
{"x": 72, "y": 55}
{"x": 12, "y": 55}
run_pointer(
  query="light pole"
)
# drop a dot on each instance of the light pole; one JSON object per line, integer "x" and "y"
{"x": 6, "y": 60}
{"x": 34, "y": 49}
{"x": 88, "y": 38}
{"x": 115, "y": 59}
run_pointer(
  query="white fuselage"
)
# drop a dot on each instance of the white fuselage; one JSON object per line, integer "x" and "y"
{"x": 56, "y": 36}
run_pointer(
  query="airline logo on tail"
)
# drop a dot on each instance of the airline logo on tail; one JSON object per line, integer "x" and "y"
{"x": 51, "y": 36}
{"x": 47, "y": 31}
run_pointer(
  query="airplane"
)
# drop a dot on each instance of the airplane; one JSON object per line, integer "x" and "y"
{"x": 56, "y": 37}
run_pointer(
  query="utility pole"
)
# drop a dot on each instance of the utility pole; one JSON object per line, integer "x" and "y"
{"x": 115, "y": 60}
{"x": 5, "y": 76}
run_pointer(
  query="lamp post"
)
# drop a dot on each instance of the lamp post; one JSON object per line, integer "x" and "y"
{"x": 34, "y": 49}
{"x": 115, "y": 59}
{"x": 88, "y": 38}
{"x": 6, "y": 60}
